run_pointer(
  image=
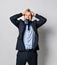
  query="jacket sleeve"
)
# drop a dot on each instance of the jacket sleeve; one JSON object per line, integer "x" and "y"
{"x": 14, "y": 19}
{"x": 41, "y": 21}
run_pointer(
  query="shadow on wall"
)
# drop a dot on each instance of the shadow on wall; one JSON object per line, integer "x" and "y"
{"x": 43, "y": 44}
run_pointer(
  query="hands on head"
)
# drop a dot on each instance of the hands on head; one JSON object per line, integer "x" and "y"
{"x": 28, "y": 11}
{"x": 28, "y": 14}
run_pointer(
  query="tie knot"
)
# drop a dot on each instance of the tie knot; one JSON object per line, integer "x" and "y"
{"x": 26, "y": 22}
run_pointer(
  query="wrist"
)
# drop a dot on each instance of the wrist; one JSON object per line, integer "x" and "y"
{"x": 34, "y": 14}
{"x": 21, "y": 14}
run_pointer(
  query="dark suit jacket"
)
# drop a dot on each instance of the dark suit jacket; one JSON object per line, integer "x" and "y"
{"x": 21, "y": 27}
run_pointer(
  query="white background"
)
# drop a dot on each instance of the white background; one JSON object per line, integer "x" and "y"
{"x": 47, "y": 55}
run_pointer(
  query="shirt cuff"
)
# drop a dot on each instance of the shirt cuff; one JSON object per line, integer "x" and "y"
{"x": 34, "y": 14}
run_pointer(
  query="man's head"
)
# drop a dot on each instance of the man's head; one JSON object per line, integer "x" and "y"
{"x": 28, "y": 14}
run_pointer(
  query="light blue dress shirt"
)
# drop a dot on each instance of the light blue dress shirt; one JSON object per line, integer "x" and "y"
{"x": 29, "y": 37}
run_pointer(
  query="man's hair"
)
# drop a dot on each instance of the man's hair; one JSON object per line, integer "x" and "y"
{"x": 28, "y": 10}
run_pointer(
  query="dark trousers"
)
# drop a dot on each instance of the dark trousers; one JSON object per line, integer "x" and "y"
{"x": 29, "y": 56}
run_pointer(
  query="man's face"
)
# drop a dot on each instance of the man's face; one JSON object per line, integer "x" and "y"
{"x": 28, "y": 15}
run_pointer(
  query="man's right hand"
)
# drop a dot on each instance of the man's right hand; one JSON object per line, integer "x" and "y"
{"x": 23, "y": 13}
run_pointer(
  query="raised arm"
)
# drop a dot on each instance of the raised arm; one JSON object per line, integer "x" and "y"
{"x": 41, "y": 21}
{"x": 14, "y": 19}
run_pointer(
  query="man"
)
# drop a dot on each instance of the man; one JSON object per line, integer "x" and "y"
{"x": 27, "y": 41}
